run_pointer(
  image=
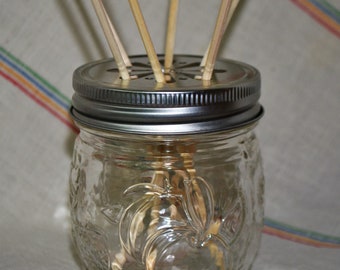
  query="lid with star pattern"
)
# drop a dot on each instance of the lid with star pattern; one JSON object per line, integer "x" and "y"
{"x": 185, "y": 104}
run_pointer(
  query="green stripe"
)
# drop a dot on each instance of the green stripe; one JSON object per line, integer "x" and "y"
{"x": 36, "y": 75}
{"x": 305, "y": 233}
{"x": 330, "y": 7}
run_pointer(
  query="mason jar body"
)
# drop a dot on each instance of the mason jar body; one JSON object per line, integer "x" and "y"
{"x": 167, "y": 202}
{"x": 166, "y": 176}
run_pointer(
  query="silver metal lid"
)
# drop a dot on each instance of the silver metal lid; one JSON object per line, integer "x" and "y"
{"x": 183, "y": 105}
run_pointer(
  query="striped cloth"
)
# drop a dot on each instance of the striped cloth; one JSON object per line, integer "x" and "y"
{"x": 296, "y": 45}
{"x": 52, "y": 100}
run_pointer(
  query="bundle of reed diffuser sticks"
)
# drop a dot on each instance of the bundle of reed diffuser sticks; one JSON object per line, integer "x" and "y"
{"x": 225, "y": 14}
{"x": 162, "y": 76}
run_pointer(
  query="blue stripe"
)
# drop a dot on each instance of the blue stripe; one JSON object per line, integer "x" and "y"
{"x": 326, "y": 10}
{"x": 35, "y": 82}
{"x": 307, "y": 234}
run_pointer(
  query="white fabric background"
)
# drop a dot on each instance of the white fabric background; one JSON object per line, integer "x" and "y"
{"x": 300, "y": 133}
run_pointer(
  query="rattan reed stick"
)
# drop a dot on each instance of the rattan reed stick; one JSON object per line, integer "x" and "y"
{"x": 112, "y": 39}
{"x": 234, "y": 4}
{"x": 116, "y": 37}
{"x": 233, "y": 7}
{"x": 171, "y": 34}
{"x": 150, "y": 50}
{"x": 216, "y": 39}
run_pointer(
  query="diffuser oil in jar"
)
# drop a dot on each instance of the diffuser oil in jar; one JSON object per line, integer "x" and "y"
{"x": 168, "y": 178}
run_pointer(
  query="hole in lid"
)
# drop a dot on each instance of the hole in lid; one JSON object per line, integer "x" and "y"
{"x": 148, "y": 78}
{"x": 182, "y": 78}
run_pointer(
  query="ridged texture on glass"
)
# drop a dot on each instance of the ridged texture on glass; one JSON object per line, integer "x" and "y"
{"x": 169, "y": 203}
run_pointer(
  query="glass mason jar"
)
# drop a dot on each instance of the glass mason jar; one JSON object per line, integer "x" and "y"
{"x": 166, "y": 176}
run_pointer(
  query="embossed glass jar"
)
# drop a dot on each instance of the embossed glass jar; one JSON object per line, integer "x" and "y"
{"x": 166, "y": 176}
